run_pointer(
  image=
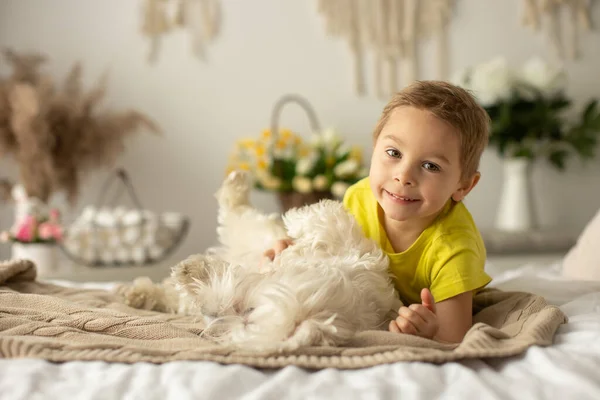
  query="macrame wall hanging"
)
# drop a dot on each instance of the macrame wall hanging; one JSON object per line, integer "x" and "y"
{"x": 551, "y": 13}
{"x": 391, "y": 30}
{"x": 199, "y": 17}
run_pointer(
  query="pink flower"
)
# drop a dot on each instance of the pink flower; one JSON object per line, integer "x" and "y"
{"x": 26, "y": 231}
{"x": 50, "y": 231}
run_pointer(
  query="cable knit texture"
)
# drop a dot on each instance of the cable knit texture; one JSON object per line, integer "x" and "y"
{"x": 55, "y": 323}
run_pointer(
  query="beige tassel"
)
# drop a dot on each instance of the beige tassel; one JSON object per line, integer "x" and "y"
{"x": 155, "y": 24}
{"x": 391, "y": 29}
{"x": 356, "y": 47}
{"x": 579, "y": 20}
{"x": 410, "y": 40}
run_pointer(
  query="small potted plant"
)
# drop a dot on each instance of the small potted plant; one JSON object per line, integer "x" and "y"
{"x": 35, "y": 236}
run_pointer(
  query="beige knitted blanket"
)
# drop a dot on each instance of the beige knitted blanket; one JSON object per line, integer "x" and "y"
{"x": 40, "y": 320}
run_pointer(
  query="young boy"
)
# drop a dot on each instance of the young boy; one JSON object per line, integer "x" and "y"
{"x": 427, "y": 147}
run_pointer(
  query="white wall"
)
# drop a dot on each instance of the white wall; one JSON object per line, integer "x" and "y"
{"x": 268, "y": 48}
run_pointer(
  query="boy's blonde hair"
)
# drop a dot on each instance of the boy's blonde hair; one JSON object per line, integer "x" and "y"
{"x": 452, "y": 104}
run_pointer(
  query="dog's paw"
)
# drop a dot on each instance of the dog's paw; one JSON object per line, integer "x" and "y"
{"x": 140, "y": 294}
{"x": 237, "y": 177}
{"x": 235, "y": 189}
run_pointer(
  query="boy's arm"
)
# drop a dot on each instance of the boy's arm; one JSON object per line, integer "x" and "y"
{"x": 455, "y": 317}
{"x": 447, "y": 321}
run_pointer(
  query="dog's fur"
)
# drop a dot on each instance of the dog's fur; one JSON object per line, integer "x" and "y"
{"x": 331, "y": 283}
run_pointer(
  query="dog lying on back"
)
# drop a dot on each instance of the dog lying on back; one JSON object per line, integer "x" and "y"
{"x": 330, "y": 284}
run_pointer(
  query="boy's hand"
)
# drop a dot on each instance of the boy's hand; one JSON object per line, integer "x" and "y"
{"x": 278, "y": 247}
{"x": 417, "y": 319}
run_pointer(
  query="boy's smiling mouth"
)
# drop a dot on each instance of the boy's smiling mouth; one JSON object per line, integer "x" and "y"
{"x": 401, "y": 199}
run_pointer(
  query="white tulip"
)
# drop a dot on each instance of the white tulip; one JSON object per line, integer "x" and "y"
{"x": 302, "y": 184}
{"x": 342, "y": 150}
{"x": 331, "y": 138}
{"x": 346, "y": 168}
{"x": 540, "y": 75}
{"x": 338, "y": 189}
{"x": 320, "y": 182}
{"x": 492, "y": 81}
{"x": 305, "y": 165}
{"x": 316, "y": 140}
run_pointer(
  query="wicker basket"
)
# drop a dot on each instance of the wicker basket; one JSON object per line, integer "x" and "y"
{"x": 142, "y": 244}
{"x": 292, "y": 199}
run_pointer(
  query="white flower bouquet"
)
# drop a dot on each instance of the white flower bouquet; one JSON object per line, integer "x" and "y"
{"x": 527, "y": 108}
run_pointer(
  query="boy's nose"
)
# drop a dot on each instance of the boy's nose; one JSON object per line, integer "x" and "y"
{"x": 405, "y": 177}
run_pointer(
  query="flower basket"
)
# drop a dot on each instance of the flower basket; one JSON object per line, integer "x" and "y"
{"x": 108, "y": 235}
{"x": 291, "y": 199}
{"x": 298, "y": 171}
{"x": 288, "y": 200}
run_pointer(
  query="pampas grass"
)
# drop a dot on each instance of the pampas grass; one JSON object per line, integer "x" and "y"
{"x": 57, "y": 133}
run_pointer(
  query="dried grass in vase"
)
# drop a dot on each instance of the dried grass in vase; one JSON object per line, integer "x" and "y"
{"x": 57, "y": 133}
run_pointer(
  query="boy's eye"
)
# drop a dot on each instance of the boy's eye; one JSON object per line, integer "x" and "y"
{"x": 431, "y": 167}
{"x": 393, "y": 153}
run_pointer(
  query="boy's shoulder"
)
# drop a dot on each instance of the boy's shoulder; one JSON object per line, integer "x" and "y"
{"x": 359, "y": 194}
{"x": 457, "y": 223}
{"x": 359, "y": 186}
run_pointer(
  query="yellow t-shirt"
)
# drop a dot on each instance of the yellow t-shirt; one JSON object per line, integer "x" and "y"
{"x": 448, "y": 257}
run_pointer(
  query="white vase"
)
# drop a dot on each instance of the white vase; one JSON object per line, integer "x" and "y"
{"x": 515, "y": 212}
{"x": 44, "y": 256}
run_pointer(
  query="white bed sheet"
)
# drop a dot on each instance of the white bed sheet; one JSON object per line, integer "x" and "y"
{"x": 569, "y": 369}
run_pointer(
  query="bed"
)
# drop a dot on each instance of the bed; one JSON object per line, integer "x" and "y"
{"x": 570, "y": 368}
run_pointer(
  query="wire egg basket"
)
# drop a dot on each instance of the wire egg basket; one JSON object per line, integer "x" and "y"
{"x": 108, "y": 235}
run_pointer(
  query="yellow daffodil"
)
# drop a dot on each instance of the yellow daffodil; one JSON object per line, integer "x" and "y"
{"x": 262, "y": 164}
{"x": 316, "y": 161}
{"x": 356, "y": 153}
{"x": 246, "y": 143}
{"x": 285, "y": 134}
{"x": 259, "y": 150}
{"x": 280, "y": 144}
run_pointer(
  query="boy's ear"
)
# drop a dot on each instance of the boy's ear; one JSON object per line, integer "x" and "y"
{"x": 466, "y": 186}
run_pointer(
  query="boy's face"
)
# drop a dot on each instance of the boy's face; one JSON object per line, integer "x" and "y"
{"x": 415, "y": 167}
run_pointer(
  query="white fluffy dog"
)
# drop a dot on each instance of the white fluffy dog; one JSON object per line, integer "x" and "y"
{"x": 331, "y": 283}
